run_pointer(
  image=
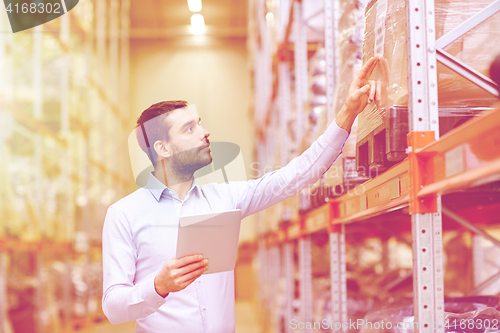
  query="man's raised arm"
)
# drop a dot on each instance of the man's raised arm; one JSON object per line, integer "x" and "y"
{"x": 303, "y": 171}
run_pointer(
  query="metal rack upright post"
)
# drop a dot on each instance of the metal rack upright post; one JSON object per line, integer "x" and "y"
{"x": 423, "y": 120}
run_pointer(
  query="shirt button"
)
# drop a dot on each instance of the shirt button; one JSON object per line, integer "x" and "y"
{"x": 199, "y": 281}
{"x": 159, "y": 303}
{"x": 204, "y": 308}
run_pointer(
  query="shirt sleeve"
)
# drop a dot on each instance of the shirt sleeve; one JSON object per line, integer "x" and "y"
{"x": 123, "y": 300}
{"x": 303, "y": 171}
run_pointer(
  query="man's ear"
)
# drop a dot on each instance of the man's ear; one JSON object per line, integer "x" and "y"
{"x": 161, "y": 150}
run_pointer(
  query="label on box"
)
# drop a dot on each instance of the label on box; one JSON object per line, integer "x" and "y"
{"x": 404, "y": 183}
{"x": 352, "y": 206}
{"x": 342, "y": 209}
{"x": 394, "y": 190}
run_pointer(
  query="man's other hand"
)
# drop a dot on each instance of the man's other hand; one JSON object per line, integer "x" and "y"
{"x": 177, "y": 274}
{"x": 361, "y": 92}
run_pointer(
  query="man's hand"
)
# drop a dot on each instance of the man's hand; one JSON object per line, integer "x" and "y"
{"x": 361, "y": 92}
{"x": 177, "y": 274}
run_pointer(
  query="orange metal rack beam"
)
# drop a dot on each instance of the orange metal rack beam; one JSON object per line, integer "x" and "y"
{"x": 467, "y": 156}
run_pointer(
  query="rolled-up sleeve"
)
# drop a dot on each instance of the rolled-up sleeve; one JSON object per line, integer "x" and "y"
{"x": 123, "y": 300}
{"x": 303, "y": 171}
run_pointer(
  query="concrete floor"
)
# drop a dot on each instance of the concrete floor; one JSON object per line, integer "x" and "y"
{"x": 246, "y": 322}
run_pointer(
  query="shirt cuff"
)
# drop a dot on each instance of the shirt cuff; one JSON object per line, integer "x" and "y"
{"x": 335, "y": 136}
{"x": 149, "y": 295}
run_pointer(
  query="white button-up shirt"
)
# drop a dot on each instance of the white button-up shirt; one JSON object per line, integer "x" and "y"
{"x": 140, "y": 236}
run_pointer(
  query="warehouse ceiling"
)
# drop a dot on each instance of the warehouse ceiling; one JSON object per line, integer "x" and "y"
{"x": 150, "y": 19}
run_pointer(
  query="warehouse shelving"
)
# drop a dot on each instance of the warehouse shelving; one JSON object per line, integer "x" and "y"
{"x": 466, "y": 157}
{"x": 390, "y": 191}
{"x": 64, "y": 102}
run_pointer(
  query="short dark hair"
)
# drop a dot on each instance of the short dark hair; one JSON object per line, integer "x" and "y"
{"x": 151, "y": 126}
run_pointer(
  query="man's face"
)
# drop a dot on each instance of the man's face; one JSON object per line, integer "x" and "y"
{"x": 188, "y": 141}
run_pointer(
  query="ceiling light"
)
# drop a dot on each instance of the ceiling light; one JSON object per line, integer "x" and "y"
{"x": 198, "y": 24}
{"x": 194, "y": 5}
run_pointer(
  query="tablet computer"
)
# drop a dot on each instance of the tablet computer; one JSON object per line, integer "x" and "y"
{"x": 214, "y": 235}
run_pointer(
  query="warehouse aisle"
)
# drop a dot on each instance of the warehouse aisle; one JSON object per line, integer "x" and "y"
{"x": 246, "y": 322}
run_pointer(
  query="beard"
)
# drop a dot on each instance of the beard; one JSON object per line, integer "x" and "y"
{"x": 186, "y": 162}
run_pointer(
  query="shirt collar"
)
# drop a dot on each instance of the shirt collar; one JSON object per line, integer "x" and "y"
{"x": 157, "y": 188}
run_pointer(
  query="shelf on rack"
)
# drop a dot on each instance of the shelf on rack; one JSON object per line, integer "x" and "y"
{"x": 465, "y": 157}
{"x": 107, "y": 171}
{"x": 455, "y": 166}
{"x": 34, "y": 125}
{"x": 18, "y": 245}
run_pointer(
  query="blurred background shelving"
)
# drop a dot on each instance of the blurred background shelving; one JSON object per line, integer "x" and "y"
{"x": 64, "y": 115}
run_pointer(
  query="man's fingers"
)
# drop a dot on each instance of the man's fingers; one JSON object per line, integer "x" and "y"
{"x": 384, "y": 69}
{"x": 184, "y": 284}
{"x": 368, "y": 68}
{"x": 371, "y": 95}
{"x": 378, "y": 94}
{"x": 359, "y": 98}
{"x": 191, "y": 267}
{"x": 188, "y": 282}
{"x": 193, "y": 275}
{"x": 371, "y": 66}
{"x": 186, "y": 260}
{"x": 360, "y": 92}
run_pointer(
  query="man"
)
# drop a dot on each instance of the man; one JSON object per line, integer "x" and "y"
{"x": 143, "y": 281}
